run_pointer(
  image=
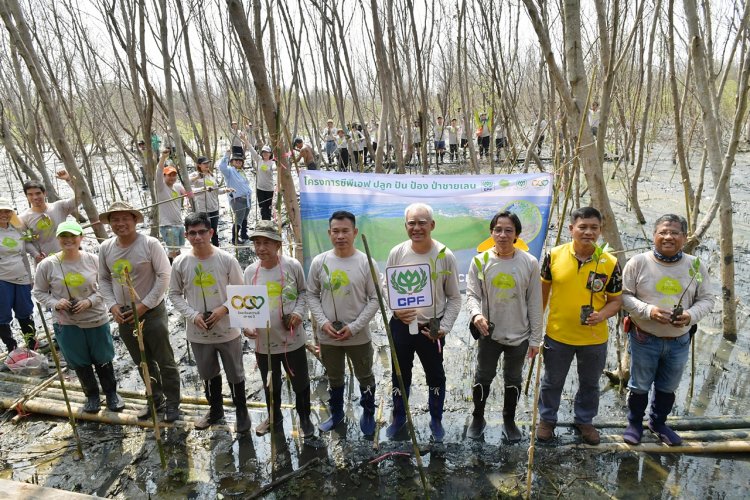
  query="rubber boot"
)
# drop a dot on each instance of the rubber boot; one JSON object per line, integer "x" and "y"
{"x": 90, "y": 389}
{"x": 637, "y": 403}
{"x": 212, "y": 389}
{"x": 106, "y": 374}
{"x": 243, "y": 232}
{"x": 302, "y": 404}
{"x": 660, "y": 408}
{"x": 239, "y": 398}
{"x": 28, "y": 330}
{"x": 367, "y": 401}
{"x": 6, "y": 334}
{"x": 478, "y": 423}
{"x": 435, "y": 403}
{"x": 511, "y": 432}
{"x": 336, "y": 409}
{"x": 398, "y": 419}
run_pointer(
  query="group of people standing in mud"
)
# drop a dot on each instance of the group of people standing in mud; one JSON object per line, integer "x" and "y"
{"x": 508, "y": 292}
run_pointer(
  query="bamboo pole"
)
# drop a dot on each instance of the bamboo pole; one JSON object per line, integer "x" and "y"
{"x": 534, "y": 413}
{"x": 734, "y": 446}
{"x": 269, "y": 383}
{"x": 397, "y": 369}
{"x": 137, "y": 330}
{"x": 56, "y": 358}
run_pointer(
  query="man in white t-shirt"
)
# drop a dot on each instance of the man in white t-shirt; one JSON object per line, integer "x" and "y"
{"x": 170, "y": 213}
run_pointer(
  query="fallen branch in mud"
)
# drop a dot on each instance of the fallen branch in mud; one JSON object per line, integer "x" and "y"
{"x": 388, "y": 455}
{"x": 286, "y": 477}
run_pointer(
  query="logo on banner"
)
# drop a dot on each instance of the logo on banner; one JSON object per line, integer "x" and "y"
{"x": 409, "y": 286}
{"x": 487, "y": 186}
{"x": 249, "y": 306}
{"x": 539, "y": 183}
{"x": 521, "y": 183}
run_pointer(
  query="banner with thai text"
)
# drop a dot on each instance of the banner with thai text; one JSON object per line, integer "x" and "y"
{"x": 463, "y": 207}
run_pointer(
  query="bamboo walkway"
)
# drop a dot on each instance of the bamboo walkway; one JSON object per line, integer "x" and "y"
{"x": 22, "y": 396}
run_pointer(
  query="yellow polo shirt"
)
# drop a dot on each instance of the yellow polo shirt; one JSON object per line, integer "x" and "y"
{"x": 571, "y": 282}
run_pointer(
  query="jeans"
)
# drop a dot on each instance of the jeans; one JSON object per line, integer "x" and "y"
{"x": 334, "y": 361}
{"x": 15, "y": 299}
{"x": 590, "y": 361}
{"x": 330, "y": 150}
{"x": 488, "y": 356}
{"x": 165, "y": 377}
{"x": 427, "y": 350}
{"x": 656, "y": 361}
{"x": 241, "y": 208}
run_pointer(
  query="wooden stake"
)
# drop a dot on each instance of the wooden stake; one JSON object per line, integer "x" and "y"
{"x": 397, "y": 369}
{"x": 71, "y": 417}
{"x": 138, "y": 331}
{"x": 532, "y": 439}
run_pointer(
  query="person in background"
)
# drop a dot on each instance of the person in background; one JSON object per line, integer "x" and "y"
{"x": 143, "y": 259}
{"x": 232, "y": 167}
{"x": 342, "y": 146}
{"x": 453, "y": 132}
{"x": 170, "y": 213}
{"x": 504, "y": 299}
{"x": 15, "y": 279}
{"x": 304, "y": 152}
{"x": 67, "y": 282}
{"x": 329, "y": 137}
{"x": 42, "y": 218}
{"x": 653, "y": 284}
{"x": 595, "y": 116}
{"x": 484, "y": 132}
{"x": 343, "y": 299}
{"x": 571, "y": 277}
{"x": 206, "y": 194}
{"x": 198, "y": 290}
{"x": 264, "y": 185}
{"x": 285, "y": 340}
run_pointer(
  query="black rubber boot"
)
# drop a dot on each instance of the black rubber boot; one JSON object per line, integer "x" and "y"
{"x": 661, "y": 407}
{"x": 398, "y": 419}
{"x": 302, "y": 404}
{"x": 435, "y": 402}
{"x": 215, "y": 401}
{"x": 367, "y": 400}
{"x": 28, "y": 330}
{"x": 90, "y": 389}
{"x": 637, "y": 403}
{"x": 239, "y": 398}
{"x": 335, "y": 408}
{"x": 6, "y": 334}
{"x": 511, "y": 432}
{"x": 480, "y": 393}
{"x": 106, "y": 374}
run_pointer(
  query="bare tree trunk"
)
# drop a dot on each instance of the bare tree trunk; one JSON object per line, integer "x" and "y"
{"x": 268, "y": 107}
{"x": 15, "y": 23}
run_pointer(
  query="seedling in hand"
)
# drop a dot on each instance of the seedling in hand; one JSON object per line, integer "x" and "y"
{"x": 333, "y": 284}
{"x": 202, "y": 280}
{"x": 695, "y": 275}
{"x": 482, "y": 275}
{"x": 288, "y": 292}
{"x": 588, "y": 310}
{"x": 434, "y": 275}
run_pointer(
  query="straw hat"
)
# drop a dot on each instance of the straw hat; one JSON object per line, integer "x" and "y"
{"x": 14, "y": 220}
{"x": 120, "y": 206}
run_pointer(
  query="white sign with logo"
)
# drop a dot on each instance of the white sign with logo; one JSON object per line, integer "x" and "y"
{"x": 409, "y": 287}
{"x": 248, "y": 306}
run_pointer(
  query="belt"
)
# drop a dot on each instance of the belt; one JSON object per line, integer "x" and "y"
{"x": 233, "y": 196}
{"x": 640, "y": 330}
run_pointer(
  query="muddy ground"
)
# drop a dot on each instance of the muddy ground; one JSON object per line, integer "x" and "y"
{"x": 122, "y": 462}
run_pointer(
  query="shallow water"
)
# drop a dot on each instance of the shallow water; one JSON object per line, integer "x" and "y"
{"x": 122, "y": 462}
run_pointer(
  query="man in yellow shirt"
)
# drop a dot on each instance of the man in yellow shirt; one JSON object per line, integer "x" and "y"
{"x": 572, "y": 278}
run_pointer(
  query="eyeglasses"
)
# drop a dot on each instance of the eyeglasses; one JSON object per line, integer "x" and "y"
{"x": 673, "y": 234}
{"x": 199, "y": 232}
{"x": 500, "y": 230}
{"x": 415, "y": 223}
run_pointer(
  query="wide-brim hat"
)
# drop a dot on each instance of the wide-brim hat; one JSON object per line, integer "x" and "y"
{"x": 266, "y": 229}
{"x": 120, "y": 206}
{"x": 14, "y": 220}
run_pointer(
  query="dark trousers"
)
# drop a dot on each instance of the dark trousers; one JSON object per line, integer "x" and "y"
{"x": 343, "y": 159}
{"x": 484, "y": 145}
{"x": 427, "y": 350}
{"x": 488, "y": 356}
{"x": 295, "y": 366}
{"x": 165, "y": 377}
{"x": 265, "y": 199}
{"x": 214, "y": 218}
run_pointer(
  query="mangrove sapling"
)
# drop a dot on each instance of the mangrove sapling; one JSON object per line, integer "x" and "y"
{"x": 203, "y": 279}
{"x": 72, "y": 300}
{"x": 595, "y": 282}
{"x": 482, "y": 268}
{"x": 695, "y": 275}
{"x": 434, "y": 275}
{"x": 334, "y": 283}
{"x": 288, "y": 292}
